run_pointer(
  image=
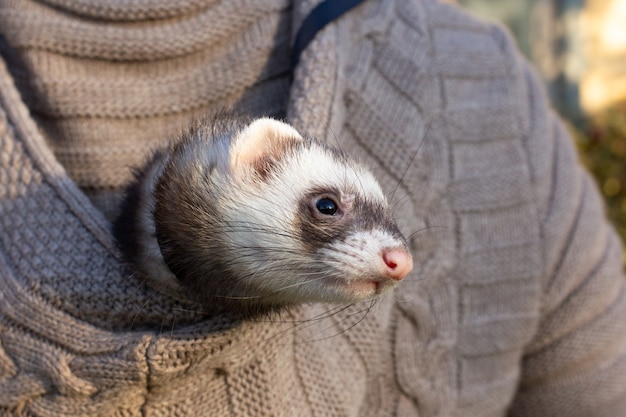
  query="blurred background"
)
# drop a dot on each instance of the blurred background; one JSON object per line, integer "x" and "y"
{"x": 579, "y": 48}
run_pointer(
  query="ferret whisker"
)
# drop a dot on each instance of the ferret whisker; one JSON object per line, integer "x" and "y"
{"x": 336, "y": 142}
{"x": 300, "y": 325}
{"x": 252, "y": 258}
{"x": 423, "y": 230}
{"x": 277, "y": 291}
{"x": 327, "y": 314}
{"x": 369, "y": 306}
{"x": 299, "y": 284}
{"x": 359, "y": 180}
{"x": 173, "y": 325}
{"x": 338, "y": 310}
{"x": 352, "y": 169}
{"x": 189, "y": 310}
{"x": 246, "y": 252}
{"x": 241, "y": 297}
{"x": 331, "y": 312}
{"x": 323, "y": 315}
{"x": 413, "y": 157}
{"x": 397, "y": 204}
{"x": 248, "y": 228}
{"x": 283, "y": 269}
{"x": 141, "y": 308}
{"x": 365, "y": 310}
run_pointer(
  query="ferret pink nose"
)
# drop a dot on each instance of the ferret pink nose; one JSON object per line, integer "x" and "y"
{"x": 398, "y": 263}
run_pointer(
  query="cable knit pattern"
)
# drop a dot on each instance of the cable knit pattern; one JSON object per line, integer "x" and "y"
{"x": 516, "y": 305}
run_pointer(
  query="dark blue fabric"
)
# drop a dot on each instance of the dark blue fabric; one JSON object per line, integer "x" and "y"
{"x": 320, "y": 16}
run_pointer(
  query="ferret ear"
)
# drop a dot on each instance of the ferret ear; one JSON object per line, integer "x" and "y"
{"x": 263, "y": 141}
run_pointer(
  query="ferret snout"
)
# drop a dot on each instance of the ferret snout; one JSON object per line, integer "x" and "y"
{"x": 397, "y": 263}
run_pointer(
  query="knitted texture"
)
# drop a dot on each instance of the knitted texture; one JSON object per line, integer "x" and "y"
{"x": 92, "y": 84}
{"x": 516, "y": 305}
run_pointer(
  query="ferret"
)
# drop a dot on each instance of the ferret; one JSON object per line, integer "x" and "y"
{"x": 247, "y": 215}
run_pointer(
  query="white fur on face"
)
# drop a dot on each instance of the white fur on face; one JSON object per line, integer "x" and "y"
{"x": 359, "y": 260}
{"x": 313, "y": 167}
{"x": 271, "y": 249}
{"x": 360, "y": 253}
{"x": 274, "y": 204}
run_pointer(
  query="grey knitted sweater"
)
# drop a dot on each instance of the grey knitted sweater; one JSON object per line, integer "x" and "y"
{"x": 517, "y": 303}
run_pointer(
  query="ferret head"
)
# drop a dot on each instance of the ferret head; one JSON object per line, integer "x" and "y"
{"x": 254, "y": 214}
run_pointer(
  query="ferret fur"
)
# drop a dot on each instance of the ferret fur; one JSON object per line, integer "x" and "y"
{"x": 227, "y": 216}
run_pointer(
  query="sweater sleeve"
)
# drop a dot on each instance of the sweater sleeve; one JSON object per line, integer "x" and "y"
{"x": 576, "y": 363}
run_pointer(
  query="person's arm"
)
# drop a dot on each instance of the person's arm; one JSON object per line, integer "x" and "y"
{"x": 576, "y": 363}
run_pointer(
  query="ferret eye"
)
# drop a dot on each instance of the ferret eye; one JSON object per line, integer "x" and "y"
{"x": 326, "y": 206}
